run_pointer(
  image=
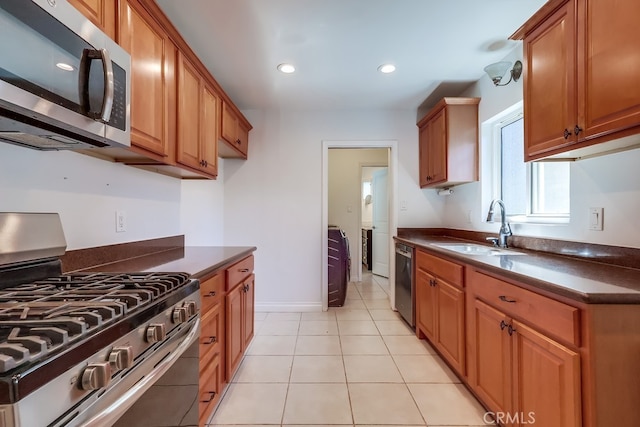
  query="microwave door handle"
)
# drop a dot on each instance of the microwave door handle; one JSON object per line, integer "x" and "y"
{"x": 85, "y": 70}
{"x": 107, "y": 103}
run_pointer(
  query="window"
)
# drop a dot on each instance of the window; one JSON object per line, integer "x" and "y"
{"x": 531, "y": 192}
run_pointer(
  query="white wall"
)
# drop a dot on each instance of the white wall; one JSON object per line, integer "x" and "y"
{"x": 202, "y": 210}
{"x": 86, "y": 192}
{"x": 345, "y": 191}
{"x": 274, "y": 199}
{"x": 611, "y": 182}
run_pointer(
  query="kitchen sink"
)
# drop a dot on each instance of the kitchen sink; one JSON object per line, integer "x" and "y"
{"x": 474, "y": 249}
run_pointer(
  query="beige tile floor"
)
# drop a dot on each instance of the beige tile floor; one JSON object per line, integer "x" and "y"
{"x": 357, "y": 365}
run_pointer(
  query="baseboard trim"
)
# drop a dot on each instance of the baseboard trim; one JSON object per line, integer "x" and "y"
{"x": 295, "y": 307}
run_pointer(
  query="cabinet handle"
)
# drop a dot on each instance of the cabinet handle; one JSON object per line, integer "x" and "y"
{"x": 245, "y": 288}
{"x": 244, "y": 270}
{"x": 211, "y": 340}
{"x": 577, "y": 129}
{"x": 238, "y": 141}
{"x": 511, "y": 330}
{"x": 566, "y": 133}
{"x": 505, "y": 299}
{"x": 210, "y": 294}
{"x": 206, "y": 163}
{"x": 211, "y": 394}
{"x": 503, "y": 325}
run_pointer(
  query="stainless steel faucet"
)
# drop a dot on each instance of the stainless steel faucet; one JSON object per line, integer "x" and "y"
{"x": 505, "y": 229}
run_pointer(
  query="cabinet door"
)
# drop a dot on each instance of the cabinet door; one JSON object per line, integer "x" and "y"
{"x": 234, "y": 322}
{"x": 210, "y": 334}
{"x": 426, "y": 299}
{"x": 248, "y": 309}
{"x": 188, "y": 151}
{"x": 490, "y": 366}
{"x": 101, "y": 12}
{"x": 424, "y": 154}
{"x": 209, "y": 140}
{"x": 229, "y": 125}
{"x": 609, "y": 56}
{"x": 438, "y": 149}
{"x": 210, "y": 386}
{"x": 450, "y": 324}
{"x": 152, "y": 77}
{"x": 550, "y": 97}
{"x": 547, "y": 382}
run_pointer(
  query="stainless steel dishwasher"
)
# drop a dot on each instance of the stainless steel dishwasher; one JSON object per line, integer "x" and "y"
{"x": 404, "y": 283}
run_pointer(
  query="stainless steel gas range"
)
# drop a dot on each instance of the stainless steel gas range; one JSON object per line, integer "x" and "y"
{"x": 80, "y": 349}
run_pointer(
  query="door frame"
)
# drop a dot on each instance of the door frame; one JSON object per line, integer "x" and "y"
{"x": 392, "y": 145}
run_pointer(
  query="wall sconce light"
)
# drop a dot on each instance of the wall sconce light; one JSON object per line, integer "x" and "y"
{"x": 497, "y": 70}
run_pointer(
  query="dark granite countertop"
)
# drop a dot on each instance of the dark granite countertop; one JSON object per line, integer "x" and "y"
{"x": 580, "y": 280}
{"x": 199, "y": 261}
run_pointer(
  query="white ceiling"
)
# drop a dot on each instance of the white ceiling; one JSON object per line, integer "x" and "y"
{"x": 337, "y": 46}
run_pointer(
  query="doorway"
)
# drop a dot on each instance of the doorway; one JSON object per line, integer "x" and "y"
{"x": 353, "y": 209}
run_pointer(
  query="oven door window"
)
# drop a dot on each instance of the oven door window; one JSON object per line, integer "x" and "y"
{"x": 44, "y": 57}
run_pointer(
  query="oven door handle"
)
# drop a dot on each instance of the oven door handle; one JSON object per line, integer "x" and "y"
{"x": 109, "y": 415}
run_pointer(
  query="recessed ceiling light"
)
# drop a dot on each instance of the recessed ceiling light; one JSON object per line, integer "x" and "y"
{"x": 387, "y": 68}
{"x": 286, "y": 68}
{"x": 65, "y": 67}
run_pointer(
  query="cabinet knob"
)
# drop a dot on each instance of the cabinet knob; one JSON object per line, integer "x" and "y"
{"x": 511, "y": 330}
{"x": 503, "y": 325}
{"x": 210, "y": 397}
{"x": 206, "y": 163}
{"x": 210, "y": 294}
{"x": 504, "y": 298}
{"x": 567, "y": 132}
{"x": 577, "y": 129}
{"x": 210, "y": 340}
{"x": 238, "y": 141}
{"x": 244, "y": 270}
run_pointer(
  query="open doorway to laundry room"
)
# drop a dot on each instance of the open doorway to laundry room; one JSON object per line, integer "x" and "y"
{"x": 350, "y": 168}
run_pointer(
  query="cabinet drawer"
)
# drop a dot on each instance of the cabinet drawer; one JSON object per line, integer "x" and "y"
{"x": 546, "y": 314}
{"x": 211, "y": 291}
{"x": 239, "y": 271}
{"x": 209, "y": 389}
{"x": 210, "y": 334}
{"x": 447, "y": 270}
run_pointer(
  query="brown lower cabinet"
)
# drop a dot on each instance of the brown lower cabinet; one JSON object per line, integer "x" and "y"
{"x": 440, "y": 307}
{"x": 532, "y": 357}
{"x": 226, "y": 330}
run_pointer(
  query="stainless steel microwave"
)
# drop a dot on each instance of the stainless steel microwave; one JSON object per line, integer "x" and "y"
{"x": 64, "y": 84}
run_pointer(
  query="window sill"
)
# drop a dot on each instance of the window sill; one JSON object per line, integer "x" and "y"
{"x": 539, "y": 220}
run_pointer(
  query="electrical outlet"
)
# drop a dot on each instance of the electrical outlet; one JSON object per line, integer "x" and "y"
{"x": 403, "y": 205}
{"x": 121, "y": 221}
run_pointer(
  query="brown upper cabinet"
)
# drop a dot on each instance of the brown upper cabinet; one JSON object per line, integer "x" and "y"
{"x": 179, "y": 113}
{"x": 579, "y": 96}
{"x": 198, "y": 108}
{"x": 448, "y": 138}
{"x": 235, "y": 132}
{"x": 153, "y": 87}
{"x": 101, "y": 12}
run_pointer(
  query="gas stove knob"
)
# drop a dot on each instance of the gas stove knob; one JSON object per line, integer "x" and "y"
{"x": 155, "y": 332}
{"x": 192, "y": 308}
{"x": 95, "y": 376}
{"x": 121, "y": 358}
{"x": 180, "y": 315}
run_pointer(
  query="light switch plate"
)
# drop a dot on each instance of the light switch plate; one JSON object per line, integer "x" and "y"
{"x": 595, "y": 219}
{"x": 121, "y": 221}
